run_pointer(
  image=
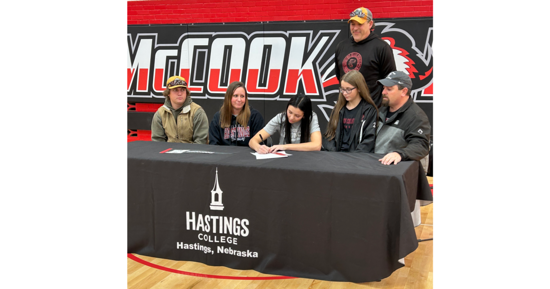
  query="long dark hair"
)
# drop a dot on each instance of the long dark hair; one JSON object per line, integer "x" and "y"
{"x": 302, "y": 102}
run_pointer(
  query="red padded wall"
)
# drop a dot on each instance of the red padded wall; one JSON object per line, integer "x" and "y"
{"x": 217, "y": 11}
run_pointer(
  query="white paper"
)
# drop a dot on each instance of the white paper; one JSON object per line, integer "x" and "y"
{"x": 176, "y": 151}
{"x": 279, "y": 154}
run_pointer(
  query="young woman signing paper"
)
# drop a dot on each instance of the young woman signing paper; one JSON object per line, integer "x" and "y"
{"x": 298, "y": 127}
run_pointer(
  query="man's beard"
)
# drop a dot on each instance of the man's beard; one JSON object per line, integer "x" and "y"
{"x": 385, "y": 102}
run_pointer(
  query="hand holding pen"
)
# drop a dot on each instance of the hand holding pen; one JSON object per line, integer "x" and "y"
{"x": 263, "y": 149}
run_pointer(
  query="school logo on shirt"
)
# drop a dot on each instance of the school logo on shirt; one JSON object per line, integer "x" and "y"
{"x": 348, "y": 122}
{"x": 295, "y": 134}
{"x": 236, "y": 133}
{"x": 352, "y": 61}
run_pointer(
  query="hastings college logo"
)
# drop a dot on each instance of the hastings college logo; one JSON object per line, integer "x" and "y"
{"x": 216, "y": 202}
{"x": 217, "y": 230}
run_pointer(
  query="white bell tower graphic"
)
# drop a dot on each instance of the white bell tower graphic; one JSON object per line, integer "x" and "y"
{"x": 216, "y": 203}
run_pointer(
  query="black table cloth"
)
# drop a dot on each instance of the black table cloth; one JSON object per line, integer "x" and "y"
{"x": 320, "y": 215}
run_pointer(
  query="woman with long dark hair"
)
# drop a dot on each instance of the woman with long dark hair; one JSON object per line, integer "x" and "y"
{"x": 298, "y": 127}
{"x": 236, "y": 122}
{"x": 353, "y": 122}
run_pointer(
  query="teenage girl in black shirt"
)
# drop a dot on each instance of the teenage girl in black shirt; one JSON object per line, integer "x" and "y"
{"x": 353, "y": 122}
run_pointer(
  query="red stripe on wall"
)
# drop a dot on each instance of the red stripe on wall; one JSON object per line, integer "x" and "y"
{"x": 217, "y": 11}
{"x": 148, "y": 107}
{"x": 331, "y": 81}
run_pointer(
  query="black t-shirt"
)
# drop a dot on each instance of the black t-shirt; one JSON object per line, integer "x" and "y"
{"x": 348, "y": 121}
{"x": 388, "y": 115}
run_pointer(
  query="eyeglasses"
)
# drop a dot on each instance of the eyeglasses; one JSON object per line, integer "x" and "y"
{"x": 347, "y": 90}
{"x": 357, "y": 12}
{"x": 177, "y": 82}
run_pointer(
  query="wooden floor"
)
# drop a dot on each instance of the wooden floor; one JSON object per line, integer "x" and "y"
{"x": 417, "y": 273}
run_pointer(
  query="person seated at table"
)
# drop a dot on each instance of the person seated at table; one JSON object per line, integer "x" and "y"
{"x": 179, "y": 119}
{"x": 404, "y": 129}
{"x": 236, "y": 122}
{"x": 352, "y": 123}
{"x": 298, "y": 127}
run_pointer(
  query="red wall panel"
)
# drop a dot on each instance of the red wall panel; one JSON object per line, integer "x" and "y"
{"x": 217, "y": 11}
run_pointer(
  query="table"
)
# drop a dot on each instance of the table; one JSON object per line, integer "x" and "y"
{"x": 319, "y": 215}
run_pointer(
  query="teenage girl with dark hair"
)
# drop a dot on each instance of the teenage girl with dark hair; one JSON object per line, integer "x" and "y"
{"x": 298, "y": 127}
{"x": 236, "y": 122}
{"x": 353, "y": 122}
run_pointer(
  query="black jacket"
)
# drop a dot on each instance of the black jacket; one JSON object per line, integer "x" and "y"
{"x": 407, "y": 132}
{"x": 235, "y": 135}
{"x": 363, "y": 133}
{"x": 372, "y": 56}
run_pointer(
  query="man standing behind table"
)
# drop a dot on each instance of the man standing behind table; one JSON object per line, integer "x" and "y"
{"x": 403, "y": 127}
{"x": 179, "y": 119}
{"x": 366, "y": 52}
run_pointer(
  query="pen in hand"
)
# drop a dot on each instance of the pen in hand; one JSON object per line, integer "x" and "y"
{"x": 262, "y": 150}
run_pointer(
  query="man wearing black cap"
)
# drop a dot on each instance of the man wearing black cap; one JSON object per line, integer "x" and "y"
{"x": 366, "y": 52}
{"x": 403, "y": 127}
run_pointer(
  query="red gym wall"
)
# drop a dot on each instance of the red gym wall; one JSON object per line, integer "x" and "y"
{"x": 216, "y": 11}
